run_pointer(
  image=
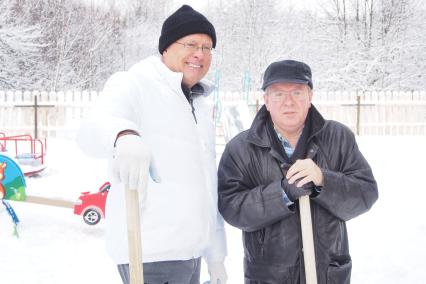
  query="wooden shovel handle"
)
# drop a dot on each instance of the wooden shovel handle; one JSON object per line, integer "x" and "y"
{"x": 308, "y": 240}
{"x": 134, "y": 236}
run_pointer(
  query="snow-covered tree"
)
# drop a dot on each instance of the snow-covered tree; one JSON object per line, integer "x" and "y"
{"x": 247, "y": 32}
{"x": 350, "y": 44}
{"x": 369, "y": 41}
{"x": 143, "y": 28}
{"x": 20, "y": 46}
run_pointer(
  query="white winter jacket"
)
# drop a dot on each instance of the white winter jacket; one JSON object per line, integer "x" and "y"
{"x": 179, "y": 216}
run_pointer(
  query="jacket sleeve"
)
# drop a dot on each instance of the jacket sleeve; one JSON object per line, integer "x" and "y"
{"x": 349, "y": 188}
{"x": 243, "y": 203}
{"x": 113, "y": 112}
{"x": 216, "y": 250}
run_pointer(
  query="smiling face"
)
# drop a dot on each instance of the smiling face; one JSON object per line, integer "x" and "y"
{"x": 194, "y": 64}
{"x": 288, "y": 104}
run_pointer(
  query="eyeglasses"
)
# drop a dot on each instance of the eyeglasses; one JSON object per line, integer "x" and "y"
{"x": 193, "y": 47}
{"x": 279, "y": 96}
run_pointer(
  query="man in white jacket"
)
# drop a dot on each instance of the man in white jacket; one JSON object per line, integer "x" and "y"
{"x": 155, "y": 117}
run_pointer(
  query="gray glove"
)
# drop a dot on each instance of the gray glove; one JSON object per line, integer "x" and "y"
{"x": 293, "y": 192}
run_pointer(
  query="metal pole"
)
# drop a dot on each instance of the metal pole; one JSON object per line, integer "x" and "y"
{"x": 35, "y": 117}
{"x": 358, "y": 112}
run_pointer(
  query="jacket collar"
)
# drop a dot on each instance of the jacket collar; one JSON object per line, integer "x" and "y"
{"x": 260, "y": 135}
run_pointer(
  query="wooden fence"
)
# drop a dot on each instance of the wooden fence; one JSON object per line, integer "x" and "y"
{"x": 58, "y": 114}
{"x": 366, "y": 113}
{"x": 376, "y": 113}
{"x": 54, "y": 114}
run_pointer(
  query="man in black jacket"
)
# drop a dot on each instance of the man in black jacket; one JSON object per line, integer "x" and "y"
{"x": 291, "y": 151}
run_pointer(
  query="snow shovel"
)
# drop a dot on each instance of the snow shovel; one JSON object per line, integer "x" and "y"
{"x": 308, "y": 240}
{"x": 13, "y": 185}
{"x": 134, "y": 236}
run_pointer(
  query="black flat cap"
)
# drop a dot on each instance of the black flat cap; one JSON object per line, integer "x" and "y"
{"x": 287, "y": 71}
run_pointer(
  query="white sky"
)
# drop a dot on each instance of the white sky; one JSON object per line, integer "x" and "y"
{"x": 200, "y": 4}
{"x": 300, "y": 4}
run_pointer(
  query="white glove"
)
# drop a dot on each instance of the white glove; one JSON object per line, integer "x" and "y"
{"x": 132, "y": 161}
{"x": 217, "y": 273}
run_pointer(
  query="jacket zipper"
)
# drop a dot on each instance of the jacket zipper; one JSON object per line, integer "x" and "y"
{"x": 191, "y": 102}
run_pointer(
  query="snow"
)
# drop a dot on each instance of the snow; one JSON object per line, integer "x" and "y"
{"x": 387, "y": 244}
{"x": 56, "y": 246}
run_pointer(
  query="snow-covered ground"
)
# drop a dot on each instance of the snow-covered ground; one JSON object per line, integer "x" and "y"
{"x": 56, "y": 246}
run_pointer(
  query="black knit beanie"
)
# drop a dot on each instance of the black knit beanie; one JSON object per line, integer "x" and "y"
{"x": 183, "y": 22}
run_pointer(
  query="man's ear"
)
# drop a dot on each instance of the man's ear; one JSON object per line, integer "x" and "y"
{"x": 266, "y": 100}
{"x": 311, "y": 93}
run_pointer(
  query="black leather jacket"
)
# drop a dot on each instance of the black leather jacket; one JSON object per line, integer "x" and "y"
{"x": 250, "y": 198}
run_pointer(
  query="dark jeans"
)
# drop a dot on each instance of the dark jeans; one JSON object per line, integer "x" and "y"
{"x": 166, "y": 272}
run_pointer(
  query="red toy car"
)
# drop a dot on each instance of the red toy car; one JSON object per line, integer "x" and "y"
{"x": 92, "y": 205}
